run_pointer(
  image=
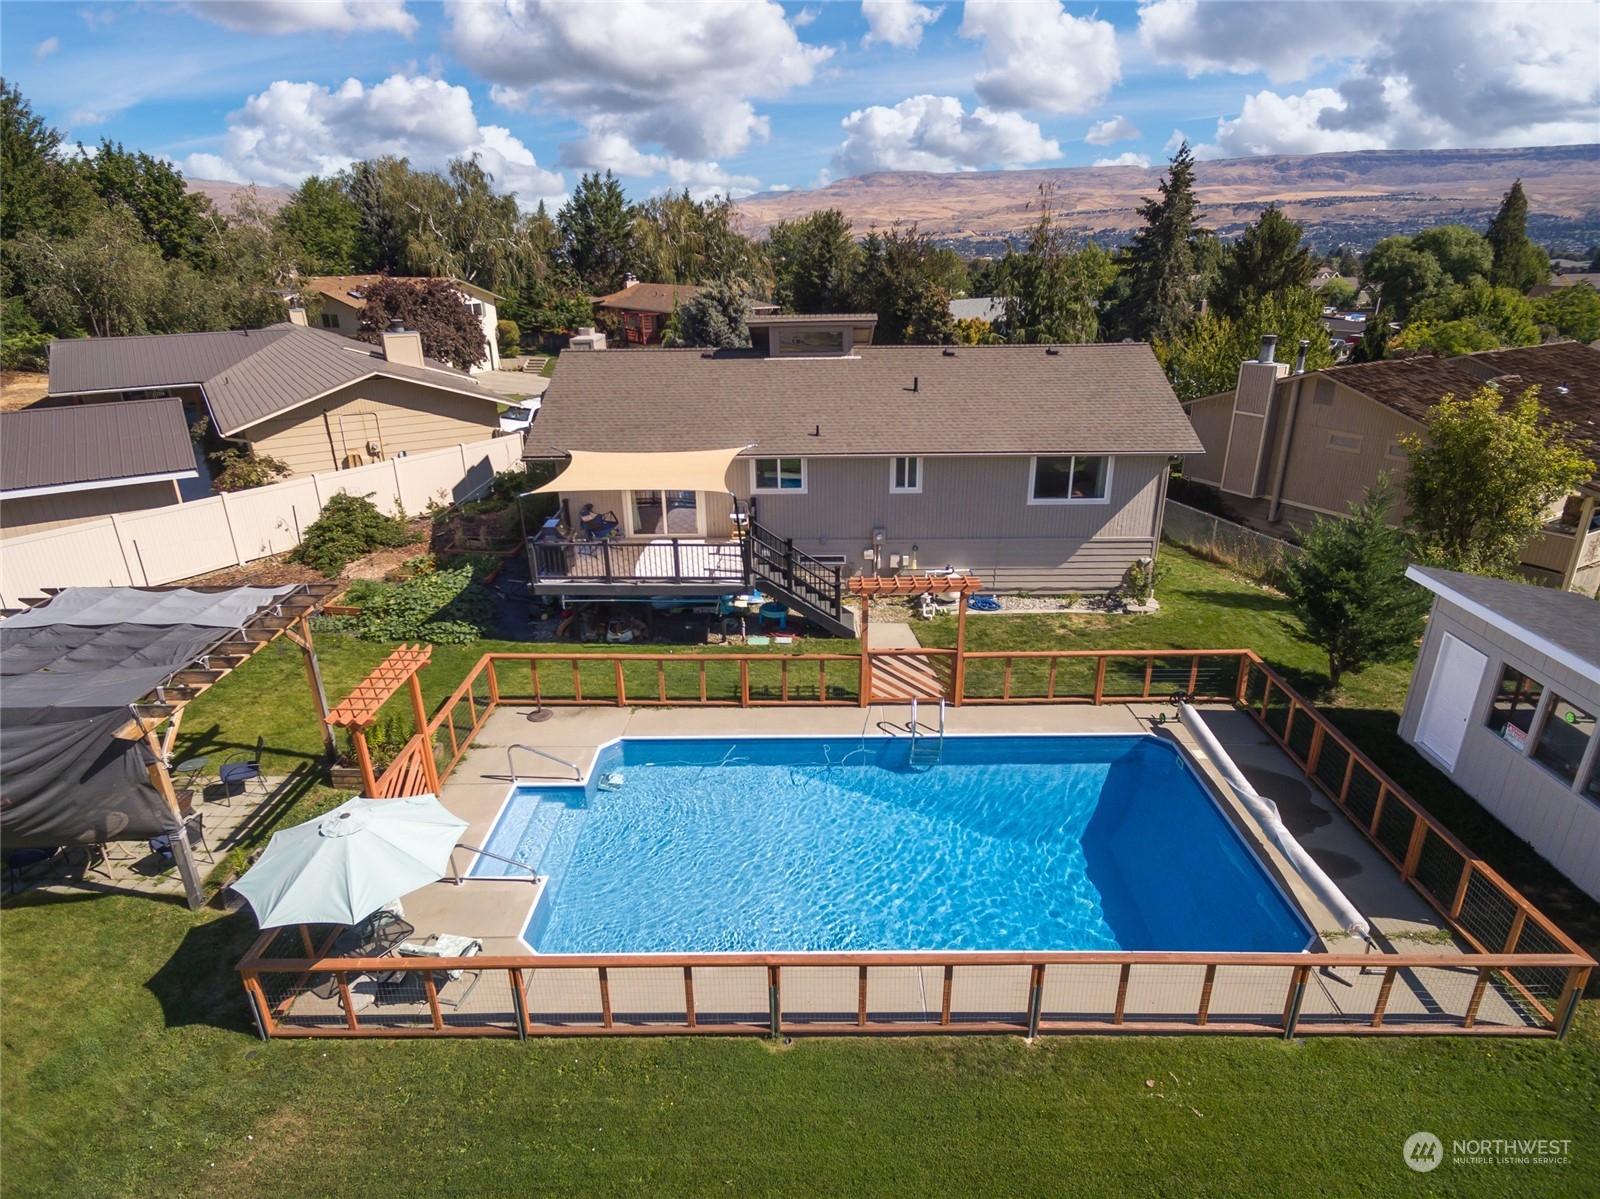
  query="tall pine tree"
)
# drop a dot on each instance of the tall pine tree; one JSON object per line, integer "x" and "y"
{"x": 597, "y": 232}
{"x": 1158, "y": 266}
{"x": 1518, "y": 262}
{"x": 1267, "y": 260}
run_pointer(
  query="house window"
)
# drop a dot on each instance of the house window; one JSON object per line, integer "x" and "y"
{"x": 808, "y": 343}
{"x": 1516, "y": 700}
{"x": 1564, "y": 738}
{"x": 1070, "y": 480}
{"x": 665, "y": 514}
{"x": 781, "y": 474}
{"x": 1323, "y": 393}
{"x": 1396, "y": 450}
{"x": 905, "y": 475}
{"x": 1347, "y": 443}
{"x": 476, "y": 309}
{"x": 330, "y": 320}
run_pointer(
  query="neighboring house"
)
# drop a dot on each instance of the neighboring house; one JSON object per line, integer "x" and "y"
{"x": 1285, "y": 448}
{"x": 313, "y": 400}
{"x": 1041, "y": 468}
{"x": 1582, "y": 278}
{"x": 983, "y": 308}
{"x": 641, "y": 310}
{"x": 59, "y": 466}
{"x": 344, "y": 297}
{"x": 1504, "y": 700}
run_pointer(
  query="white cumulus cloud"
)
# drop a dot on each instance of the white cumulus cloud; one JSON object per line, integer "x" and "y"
{"x": 1037, "y": 56}
{"x": 935, "y": 133}
{"x": 1116, "y": 129}
{"x": 307, "y": 16}
{"x": 46, "y": 48}
{"x": 1126, "y": 159}
{"x": 647, "y": 78}
{"x": 292, "y": 130}
{"x": 897, "y": 22}
{"x": 1415, "y": 75}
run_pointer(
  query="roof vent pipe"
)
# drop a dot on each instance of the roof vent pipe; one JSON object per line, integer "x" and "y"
{"x": 1300, "y": 356}
{"x": 1269, "y": 347}
{"x": 396, "y": 325}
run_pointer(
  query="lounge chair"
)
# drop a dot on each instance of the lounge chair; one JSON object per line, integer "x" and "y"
{"x": 440, "y": 945}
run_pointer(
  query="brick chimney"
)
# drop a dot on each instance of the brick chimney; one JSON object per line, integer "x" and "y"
{"x": 401, "y": 346}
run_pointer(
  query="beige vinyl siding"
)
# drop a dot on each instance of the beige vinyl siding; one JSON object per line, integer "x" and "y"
{"x": 40, "y": 513}
{"x": 395, "y": 413}
{"x": 1328, "y": 479}
{"x": 1211, "y": 418}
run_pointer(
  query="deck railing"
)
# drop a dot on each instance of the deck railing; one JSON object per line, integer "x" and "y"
{"x": 1281, "y": 994}
{"x": 1524, "y": 977}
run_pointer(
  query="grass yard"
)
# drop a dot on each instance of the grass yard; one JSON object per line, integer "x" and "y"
{"x": 129, "y": 1066}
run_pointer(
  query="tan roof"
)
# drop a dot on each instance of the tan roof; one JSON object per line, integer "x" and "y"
{"x": 763, "y": 320}
{"x": 886, "y": 400}
{"x": 1566, "y": 372}
{"x": 347, "y": 289}
{"x": 648, "y": 297}
{"x": 247, "y": 374}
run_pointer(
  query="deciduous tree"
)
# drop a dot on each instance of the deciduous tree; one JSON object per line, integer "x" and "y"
{"x": 1571, "y": 312}
{"x": 323, "y": 224}
{"x": 431, "y": 307}
{"x": 1051, "y": 287}
{"x": 813, "y": 262}
{"x": 901, "y": 278}
{"x": 1483, "y": 475}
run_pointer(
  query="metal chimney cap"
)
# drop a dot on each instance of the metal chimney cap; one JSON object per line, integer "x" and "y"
{"x": 1269, "y": 347}
{"x": 396, "y": 325}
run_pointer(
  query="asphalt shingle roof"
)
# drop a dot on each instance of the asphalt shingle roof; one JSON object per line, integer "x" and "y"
{"x": 648, "y": 297}
{"x": 1563, "y": 618}
{"x": 91, "y": 443}
{"x": 247, "y": 375}
{"x": 885, "y": 400}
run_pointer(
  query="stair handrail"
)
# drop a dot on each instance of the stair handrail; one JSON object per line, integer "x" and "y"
{"x": 511, "y": 767}
{"x": 533, "y": 874}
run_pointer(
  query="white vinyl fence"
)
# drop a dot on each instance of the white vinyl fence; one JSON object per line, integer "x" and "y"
{"x": 160, "y": 545}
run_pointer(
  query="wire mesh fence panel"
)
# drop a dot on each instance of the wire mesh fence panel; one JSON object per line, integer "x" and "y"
{"x": 300, "y": 1001}
{"x": 1255, "y": 686}
{"x": 1276, "y": 714}
{"x": 985, "y": 678}
{"x": 1302, "y": 730}
{"x": 731, "y": 995}
{"x": 648, "y": 995}
{"x": 988, "y": 994}
{"x": 1487, "y": 912}
{"x": 821, "y": 994}
{"x": 1438, "y": 996}
{"x": 1439, "y": 866}
{"x": 904, "y": 994}
{"x": 1332, "y": 761}
{"x": 1217, "y": 677}
{"x": 1249, "y": 995}
{"x": 1074, "y": 993}
{"x": 640, "y": 683}
{"x": 563, "y": 997}
{"x": 1395, "y": 826}
{"x": 480, "y": 998}
{"x": 1361, "y": 798}
{"x": 1163, "y": 993}
{"x": 722, "y": 681}
{"x": 1125, "y": 676}
{"x": 1544, "y": 983}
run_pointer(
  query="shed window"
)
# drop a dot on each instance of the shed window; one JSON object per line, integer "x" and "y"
{"x": 1323, "y": 393}
{"x": 1516, "y": 700}
{"x": 1396, "y": 450}
{"x": 1348, "y": 443}
{"x": 1564, "y": 738}
{"x": 780, "y": 474}
{"x": 905, "y": 474}
{"x": 330, "y": 320}
{"x": 1076, "y": 479}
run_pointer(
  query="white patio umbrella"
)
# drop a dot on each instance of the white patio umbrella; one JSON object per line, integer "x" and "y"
{"x": 342, "y": 867}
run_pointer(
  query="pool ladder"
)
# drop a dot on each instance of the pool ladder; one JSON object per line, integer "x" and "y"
{"x": 511, "y": 765}
{"x": 926, "y": 750}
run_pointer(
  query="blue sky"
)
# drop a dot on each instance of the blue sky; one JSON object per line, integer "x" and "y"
{"x": 750, "y": 96}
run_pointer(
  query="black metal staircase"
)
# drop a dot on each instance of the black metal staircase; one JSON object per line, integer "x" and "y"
{"x": 798, "y": 581}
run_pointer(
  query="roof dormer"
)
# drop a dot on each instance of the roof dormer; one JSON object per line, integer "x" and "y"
{"x": 811, "y": 335}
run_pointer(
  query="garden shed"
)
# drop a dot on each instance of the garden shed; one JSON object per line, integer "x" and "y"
{"x": 1504, "y": 701}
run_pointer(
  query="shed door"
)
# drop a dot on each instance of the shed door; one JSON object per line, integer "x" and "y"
{"x": 1452, "y": 694}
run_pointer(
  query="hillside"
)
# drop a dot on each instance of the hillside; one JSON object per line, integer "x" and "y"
{"x": 221, "y": 193}
{"x": 1355, "y": 197}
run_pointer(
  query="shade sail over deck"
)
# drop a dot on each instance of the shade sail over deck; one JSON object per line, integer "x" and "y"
{"x": 689, "y": 470}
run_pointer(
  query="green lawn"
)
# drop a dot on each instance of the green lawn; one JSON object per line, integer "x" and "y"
{"x": 129, "y": 1066}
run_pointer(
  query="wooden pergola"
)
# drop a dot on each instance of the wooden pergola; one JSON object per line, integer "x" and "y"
{"x": 359, "y": 710}
{"x": 870, "y": 587}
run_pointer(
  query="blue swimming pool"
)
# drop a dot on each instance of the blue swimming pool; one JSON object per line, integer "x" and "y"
{"x": 783, "y": 844}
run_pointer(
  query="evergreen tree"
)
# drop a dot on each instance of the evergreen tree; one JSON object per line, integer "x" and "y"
{"x": 715, "y": 318}
{"x": 813, "y": 262}
{"x": 901, "y": 278}
{"x": 174, "y": 219}
{"x": 1267, "y": 260}
{"x": 39, "y": 192}
{"x": 323, "y": 225}
{"x": 1159, "y": 265}
{"x": 1518, "y": 263}
{"x": 1374, "y": 343}
{"x": 1349, "y": 586}
{"x": 596, "y": 232}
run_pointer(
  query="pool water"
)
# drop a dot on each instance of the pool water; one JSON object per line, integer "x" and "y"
{"x": 785, "y": 844}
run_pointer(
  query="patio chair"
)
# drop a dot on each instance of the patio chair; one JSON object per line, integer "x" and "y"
{"x": 195, "y": 829}
{"x": 375, "y": 937}
{"x": 598, "y": 527}
{"x": 408, "y": 987}
{"x": 240, "y": 769}
{"x": 18, "y": 860}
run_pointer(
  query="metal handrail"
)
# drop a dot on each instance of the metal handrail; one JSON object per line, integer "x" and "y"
{"x": 511, "y": 766}
{"x": 488, "y": 854}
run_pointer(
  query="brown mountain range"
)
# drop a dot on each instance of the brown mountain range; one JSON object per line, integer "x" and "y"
{"x": 1354, "y": 197}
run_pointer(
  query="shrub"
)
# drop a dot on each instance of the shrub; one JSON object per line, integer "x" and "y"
{"x": 509, "y": 338}
{"x": 442, "y": 606}
{"x": 239, "y": 470}
{"x": 349, "y": 527}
